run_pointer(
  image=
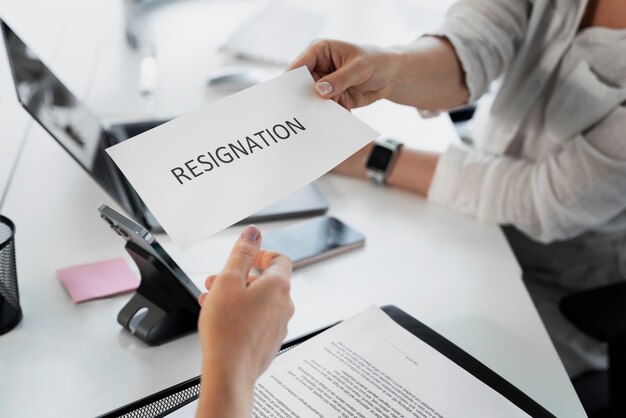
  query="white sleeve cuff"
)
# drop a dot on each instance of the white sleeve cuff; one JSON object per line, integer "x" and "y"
{"x": 458, "y": 179}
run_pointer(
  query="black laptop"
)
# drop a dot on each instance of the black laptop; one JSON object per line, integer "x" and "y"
{"x": 82, "y": 135}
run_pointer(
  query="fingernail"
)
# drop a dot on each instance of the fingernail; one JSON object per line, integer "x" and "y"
{"x": 324, "y": 88}
{"x": 251, "y": 233}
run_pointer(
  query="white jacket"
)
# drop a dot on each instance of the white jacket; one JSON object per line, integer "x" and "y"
{"x": 550, "y": 153}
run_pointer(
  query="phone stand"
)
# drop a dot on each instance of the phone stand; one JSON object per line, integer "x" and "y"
{"x": 161, "y": 309}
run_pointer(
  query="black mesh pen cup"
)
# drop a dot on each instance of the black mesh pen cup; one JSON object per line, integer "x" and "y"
{"x": 10, "y": 311}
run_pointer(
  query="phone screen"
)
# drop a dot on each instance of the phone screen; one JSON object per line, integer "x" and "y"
{"x": 314, "y": 240}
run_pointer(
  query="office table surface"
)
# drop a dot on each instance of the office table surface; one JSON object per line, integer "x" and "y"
{"x": 454, "y": 274}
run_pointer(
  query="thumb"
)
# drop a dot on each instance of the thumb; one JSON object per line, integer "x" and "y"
{"x": 332, "y": 85}
{"x": 242, "y": 256}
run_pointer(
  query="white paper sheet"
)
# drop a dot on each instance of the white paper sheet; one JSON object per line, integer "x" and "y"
{"x": 205, "y": 171}
{"x": 370, "y": 366}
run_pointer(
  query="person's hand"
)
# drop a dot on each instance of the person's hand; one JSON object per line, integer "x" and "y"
{"x": 425, "y": 74}
{"x": 413, "y": 170}
{"x": 352, "y": 75}
{"x": 242, "y": 324}
{"x": 354, "y": 165}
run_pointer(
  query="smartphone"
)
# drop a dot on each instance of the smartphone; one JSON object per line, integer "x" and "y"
{"x": 313, "y": 240}
{"x": 138, "y": 235}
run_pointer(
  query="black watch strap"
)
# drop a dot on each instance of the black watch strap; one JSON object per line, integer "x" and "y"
{"x": 382, "y": 159}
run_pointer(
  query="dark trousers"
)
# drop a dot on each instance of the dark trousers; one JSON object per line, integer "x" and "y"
{"x": 551, "y": 271}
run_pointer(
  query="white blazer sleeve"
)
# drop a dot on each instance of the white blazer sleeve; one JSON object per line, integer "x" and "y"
{"x": 485, "y": 35}
{"x": 580, "y": 186}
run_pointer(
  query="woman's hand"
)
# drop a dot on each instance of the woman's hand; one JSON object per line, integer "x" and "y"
{"x": 413, "y": 170}
{"x": 354, "y": 166}
{"x": 242, "y": 324}
{"x": 425, "y": 74}
{"x": 352, "y": 75}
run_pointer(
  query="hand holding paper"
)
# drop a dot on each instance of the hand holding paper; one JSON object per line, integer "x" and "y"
{"x": 207, "y": 170}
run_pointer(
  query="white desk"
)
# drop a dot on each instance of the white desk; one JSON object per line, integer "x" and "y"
{"x": 454, "y": 274}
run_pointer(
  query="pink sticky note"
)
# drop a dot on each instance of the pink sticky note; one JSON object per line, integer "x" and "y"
{"x": 97, "y": 280}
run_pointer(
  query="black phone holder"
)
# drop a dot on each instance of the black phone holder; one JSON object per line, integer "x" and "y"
{"x": 161, "y": 309}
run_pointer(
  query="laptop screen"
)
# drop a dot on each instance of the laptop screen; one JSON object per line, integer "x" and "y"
{"x": 58, "y": 111}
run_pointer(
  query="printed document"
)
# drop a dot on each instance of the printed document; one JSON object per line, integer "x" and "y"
{"x": 207, "y": 170}
{"x": 369, "y": 366}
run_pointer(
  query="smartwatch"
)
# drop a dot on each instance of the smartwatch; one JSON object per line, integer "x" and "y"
{"x": 381, "y": 160}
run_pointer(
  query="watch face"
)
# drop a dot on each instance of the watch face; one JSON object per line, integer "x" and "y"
{"x": 379, "y": 158}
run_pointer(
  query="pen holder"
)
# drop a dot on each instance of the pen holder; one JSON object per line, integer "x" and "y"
{"x": 10, "y": 311}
